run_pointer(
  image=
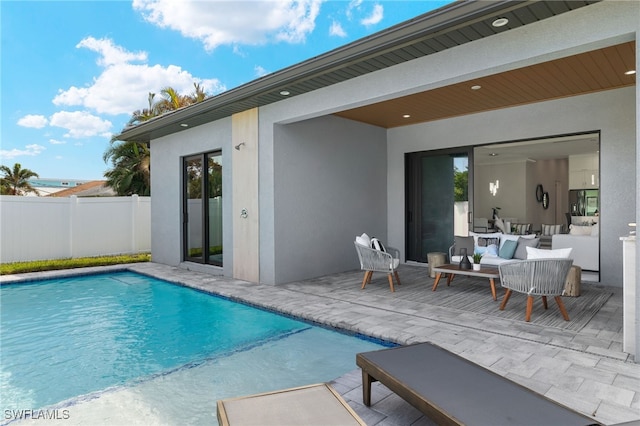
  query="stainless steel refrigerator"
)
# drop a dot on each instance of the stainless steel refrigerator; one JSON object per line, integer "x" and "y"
{"x": 584, "y": 202}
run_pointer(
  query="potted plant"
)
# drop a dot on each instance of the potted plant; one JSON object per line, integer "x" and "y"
{"x": 476, "y": 261}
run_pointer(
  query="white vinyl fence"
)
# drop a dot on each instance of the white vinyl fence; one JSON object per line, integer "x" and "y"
{"x": 39, "y": 228}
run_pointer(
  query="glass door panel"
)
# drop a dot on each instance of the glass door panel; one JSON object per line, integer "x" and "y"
{"x": 214, "y": 223}
{"x": 193, "y": 223}
{"x": 437, "y": 200}
{"x": 437, "y": 204}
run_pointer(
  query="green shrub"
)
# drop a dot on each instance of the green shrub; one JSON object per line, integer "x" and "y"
{"x": 80, "y": 262}
{"x": 197, "y": 252}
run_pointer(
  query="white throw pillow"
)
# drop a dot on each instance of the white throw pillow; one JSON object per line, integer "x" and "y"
{"x": 580, "y": 230}
{"x": 364, "y": 240}
{"x": 536, "y": 253}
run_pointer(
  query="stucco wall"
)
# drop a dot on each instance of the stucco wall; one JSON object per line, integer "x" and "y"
{"x": 612, "y": 112}
{"x": 297, "y": 136}
{"x": 166, "y": 184}
{"x": 330, "y": 184}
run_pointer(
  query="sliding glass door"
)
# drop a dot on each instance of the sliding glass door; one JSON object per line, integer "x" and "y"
{"x": 202, "y": 208}
{"x": 437, "y": 200}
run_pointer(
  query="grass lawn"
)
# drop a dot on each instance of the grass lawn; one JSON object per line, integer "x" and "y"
{"x": 81, "y": 262}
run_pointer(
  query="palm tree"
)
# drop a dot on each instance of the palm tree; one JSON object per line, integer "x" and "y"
{"x": 131, "y": 172}
{"x": 199, "y": 94}
{"x": 139, "y": 116}
{"x": 16, "y": 181}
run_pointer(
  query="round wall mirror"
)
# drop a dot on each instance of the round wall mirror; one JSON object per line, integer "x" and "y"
{"x": 545, "y": 200}
{"x": 539, "y": 193}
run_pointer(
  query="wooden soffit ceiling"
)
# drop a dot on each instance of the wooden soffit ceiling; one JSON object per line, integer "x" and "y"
{"x": 593, "y": 71}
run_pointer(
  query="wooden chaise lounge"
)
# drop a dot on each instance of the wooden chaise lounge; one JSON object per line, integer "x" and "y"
{"x": 454, "y": 391}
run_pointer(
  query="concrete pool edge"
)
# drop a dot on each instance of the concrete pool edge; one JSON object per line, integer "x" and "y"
{"x": 568, "y": 356}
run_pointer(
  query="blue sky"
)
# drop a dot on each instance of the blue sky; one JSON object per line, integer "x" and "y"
{"x": 73, "y": 72}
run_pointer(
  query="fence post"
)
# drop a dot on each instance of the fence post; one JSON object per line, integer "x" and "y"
{"x": 135, "y": 200}
{"x": 73, "y": 207}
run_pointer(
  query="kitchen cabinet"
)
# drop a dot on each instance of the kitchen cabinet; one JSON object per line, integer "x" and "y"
{"x": 584, "y": 171}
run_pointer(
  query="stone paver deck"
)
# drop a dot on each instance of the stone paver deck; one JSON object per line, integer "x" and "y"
{"x": 584, "y": 370}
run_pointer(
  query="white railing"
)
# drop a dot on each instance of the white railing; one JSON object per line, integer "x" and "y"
{"x": 39, "y": 228}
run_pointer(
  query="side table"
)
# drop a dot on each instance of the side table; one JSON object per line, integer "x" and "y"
{"x": 434, "y": 260}
{"x": 572, "y": 285}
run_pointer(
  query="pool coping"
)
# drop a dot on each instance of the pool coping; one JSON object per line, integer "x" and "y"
{"x": 579, "y": 378}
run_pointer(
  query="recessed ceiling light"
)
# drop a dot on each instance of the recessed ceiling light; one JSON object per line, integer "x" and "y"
{"x": 184, "y": 125}
{"x": 500, "y": 22}
{"x": 285, "y": 92}
{"x": 493, "y": 154}
{"x": 406, "y": 116}
{"x": 630, "y": 72}
{"x": 476, "y": 87}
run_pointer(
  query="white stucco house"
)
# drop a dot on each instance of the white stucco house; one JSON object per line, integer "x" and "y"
{"x": 304, "y": 159}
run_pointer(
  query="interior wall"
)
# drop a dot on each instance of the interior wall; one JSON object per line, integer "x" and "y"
{"x": 510, "y": 197}
{"x": 612, "y": 112}
{"x": 329, "y": 186}
{"x": 553, "y": 175}
{"x": 516, "y": 196}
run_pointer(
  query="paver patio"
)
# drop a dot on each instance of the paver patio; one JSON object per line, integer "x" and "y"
{"x": 585, "y": 370}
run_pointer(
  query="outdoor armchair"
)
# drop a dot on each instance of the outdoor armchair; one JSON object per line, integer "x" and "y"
{"x": 372, "y": 260}
{"x": 535, "y": 277}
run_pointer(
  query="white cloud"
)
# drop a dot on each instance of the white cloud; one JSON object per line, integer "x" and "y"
{"x": 80, "y": 124}
{"x": 30, "y": 150}
{"x": 353, "y": 4}
{"x": 376, "y": 16}
{"x": 133, "y": 81}
{"x": 56, "y": 142}
{"x": 337, "y": 30}
{"x": 260, "y": 71}
{"x": 34, "y": 121}
{"x": 217, "y": 23}
{"x": 111, "y": 54}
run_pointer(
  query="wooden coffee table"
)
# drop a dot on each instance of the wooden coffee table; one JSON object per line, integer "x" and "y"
{"x": 453, "y": 270}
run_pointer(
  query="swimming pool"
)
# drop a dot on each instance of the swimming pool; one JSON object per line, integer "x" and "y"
{"x": 153, "y": 350}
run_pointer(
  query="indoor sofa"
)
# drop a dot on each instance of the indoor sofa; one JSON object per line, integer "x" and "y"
{"x": 585, "y": 245}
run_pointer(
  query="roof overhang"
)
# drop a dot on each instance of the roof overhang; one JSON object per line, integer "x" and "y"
{"x": 452, "y": 25}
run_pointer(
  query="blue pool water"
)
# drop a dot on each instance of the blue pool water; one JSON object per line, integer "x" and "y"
{"x": 95, "y": 335}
